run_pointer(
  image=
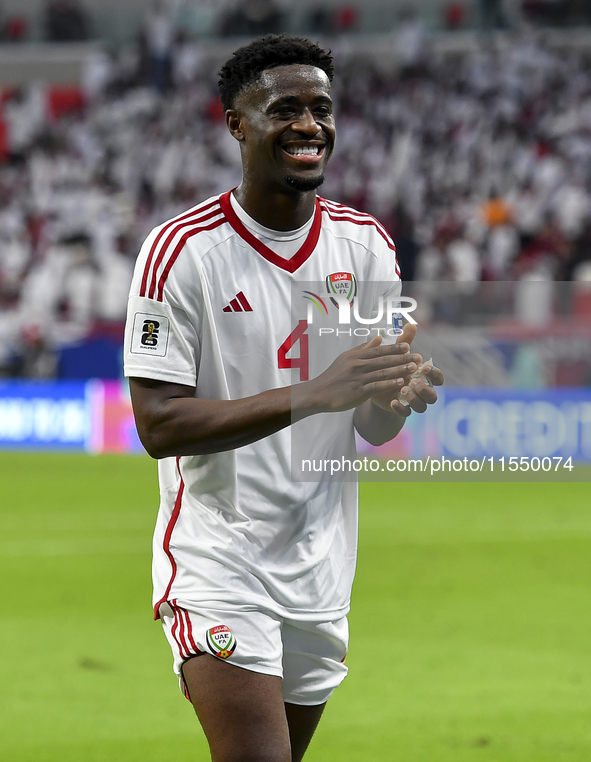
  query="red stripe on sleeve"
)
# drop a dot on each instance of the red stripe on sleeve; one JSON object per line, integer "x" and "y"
{"x": 338, "y": 217}
{"x": 359, "y": 217}
{"x": 167, "y": 243}
{"x": 159, "y": 237}
{"x": 177, "y": 251}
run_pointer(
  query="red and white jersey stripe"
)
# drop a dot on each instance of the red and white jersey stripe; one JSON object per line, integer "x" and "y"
{"x": 341, "y": 213}
{"x": 169, "y": 242}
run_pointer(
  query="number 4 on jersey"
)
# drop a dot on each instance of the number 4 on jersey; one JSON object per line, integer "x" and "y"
{"x": 297, "y": 335}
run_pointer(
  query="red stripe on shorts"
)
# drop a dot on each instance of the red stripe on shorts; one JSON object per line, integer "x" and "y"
{"x": 183, "y": 639}
{"x": 173, "y": 631}
{"x": 194, "y": 647}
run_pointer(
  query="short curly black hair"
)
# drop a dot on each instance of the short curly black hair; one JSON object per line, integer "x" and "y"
{"x": 267, "y": 52}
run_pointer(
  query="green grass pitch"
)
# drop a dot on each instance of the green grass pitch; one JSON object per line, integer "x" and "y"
{"x": 470, "y": 623}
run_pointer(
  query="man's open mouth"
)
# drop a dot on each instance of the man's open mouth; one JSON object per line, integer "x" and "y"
{"x": 313, "y": 150}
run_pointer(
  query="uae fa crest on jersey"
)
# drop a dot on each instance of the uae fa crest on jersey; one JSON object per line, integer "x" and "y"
{"x": 341, "y": 284}
{"x": 221, "y": 641}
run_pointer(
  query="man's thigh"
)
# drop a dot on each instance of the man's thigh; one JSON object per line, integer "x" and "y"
{"x": 243, "y": 715}
{"x": 242, "y": 712}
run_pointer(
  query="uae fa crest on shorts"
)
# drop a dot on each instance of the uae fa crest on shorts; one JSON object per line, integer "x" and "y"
{"x": 341, "y": 284}
{"x": 221, "y": 641}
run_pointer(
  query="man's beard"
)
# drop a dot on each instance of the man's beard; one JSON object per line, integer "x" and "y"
{"x": 304, "y": 184}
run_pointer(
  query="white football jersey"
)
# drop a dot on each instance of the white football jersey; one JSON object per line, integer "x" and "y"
{"x": 210, "y": 308}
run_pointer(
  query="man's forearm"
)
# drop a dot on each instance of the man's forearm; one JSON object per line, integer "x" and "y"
{"x": 186, "y": 425}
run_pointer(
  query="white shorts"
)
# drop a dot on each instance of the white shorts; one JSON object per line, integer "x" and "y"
{"x": 308, "y": 656}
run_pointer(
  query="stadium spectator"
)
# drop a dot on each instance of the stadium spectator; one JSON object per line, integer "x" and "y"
{"x": 159, "y": 39}
{"x": 410, "y": 42}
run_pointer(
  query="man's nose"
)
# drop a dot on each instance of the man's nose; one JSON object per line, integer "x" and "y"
{"x": 306, "y": 123}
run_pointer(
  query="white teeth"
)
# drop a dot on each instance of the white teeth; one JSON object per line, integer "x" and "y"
{"x": 303, "y": 151}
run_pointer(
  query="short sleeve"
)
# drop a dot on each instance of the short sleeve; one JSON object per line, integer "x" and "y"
{"x": 162, "y": 334}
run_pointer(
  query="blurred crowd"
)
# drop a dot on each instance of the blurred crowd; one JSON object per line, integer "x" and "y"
{"x": 479, "y": 165}
{"x": 74, "y": 21}
{"x": 77, "y": 20}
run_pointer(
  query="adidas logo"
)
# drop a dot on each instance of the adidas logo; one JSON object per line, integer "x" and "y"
{"x": 238, "y": 304}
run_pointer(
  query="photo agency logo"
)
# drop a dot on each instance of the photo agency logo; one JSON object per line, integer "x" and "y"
{"x": 338, "y": 311}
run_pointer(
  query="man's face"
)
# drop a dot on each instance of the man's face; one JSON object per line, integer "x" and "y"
{"x": 286, "y": 127}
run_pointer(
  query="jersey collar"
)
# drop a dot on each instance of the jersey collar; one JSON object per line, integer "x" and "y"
{"x": 298, "y": 259}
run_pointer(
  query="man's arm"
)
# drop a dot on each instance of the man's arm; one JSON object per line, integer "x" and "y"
{"x": 172, "y": 421}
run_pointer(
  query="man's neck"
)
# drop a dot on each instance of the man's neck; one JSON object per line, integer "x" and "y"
{"x": 277, "y": 210}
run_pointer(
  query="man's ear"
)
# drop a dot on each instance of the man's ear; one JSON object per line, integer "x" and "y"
{"x": 234, "y": 122}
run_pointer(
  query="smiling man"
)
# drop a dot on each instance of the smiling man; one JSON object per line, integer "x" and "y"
{"x": 253, "y": 571}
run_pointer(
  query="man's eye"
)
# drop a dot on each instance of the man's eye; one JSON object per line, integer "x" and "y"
{"x": 323, "y": 111}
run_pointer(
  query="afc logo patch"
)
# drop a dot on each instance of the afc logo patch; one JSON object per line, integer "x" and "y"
{"x": 150, "y": 334}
